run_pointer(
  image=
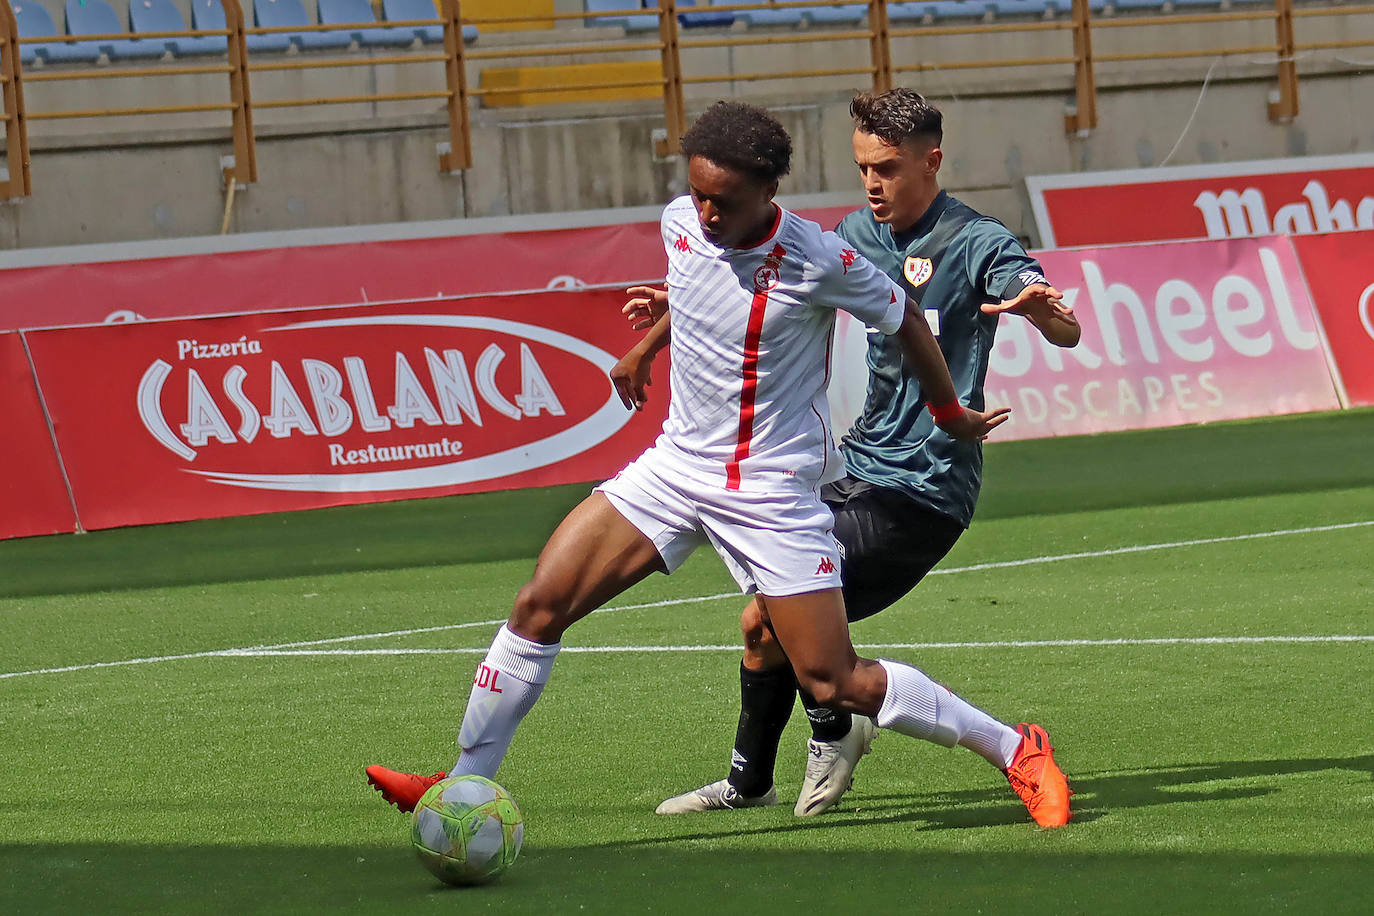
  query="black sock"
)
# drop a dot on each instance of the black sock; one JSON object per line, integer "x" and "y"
{"x": 826, "y": 724}
{"x": 766, "y": 700}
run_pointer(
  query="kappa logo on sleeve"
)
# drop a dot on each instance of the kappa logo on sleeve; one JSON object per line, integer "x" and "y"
{"x": 683, "y": 245}
{"x": 847, "y": 258}
{"x": 1030, "y": 277}
{"x": 918, "y": 270}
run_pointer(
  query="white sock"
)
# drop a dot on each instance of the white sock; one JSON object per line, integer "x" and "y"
{"x": 917, "y": 706}
{"x": 507, "y": 683}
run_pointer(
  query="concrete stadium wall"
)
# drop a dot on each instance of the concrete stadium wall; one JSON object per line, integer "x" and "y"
{"x": 103, "y": 180}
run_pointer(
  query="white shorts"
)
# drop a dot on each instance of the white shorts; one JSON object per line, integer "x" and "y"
{"x": 777, "y": 543}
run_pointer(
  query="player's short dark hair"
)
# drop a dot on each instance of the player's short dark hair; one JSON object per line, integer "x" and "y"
{"x": 746, "y": 138}
{"x": 897, "y": 116}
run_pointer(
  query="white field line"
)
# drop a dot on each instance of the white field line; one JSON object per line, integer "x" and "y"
{"x": 882, "y": 646}
{"x": 280, "y": 648}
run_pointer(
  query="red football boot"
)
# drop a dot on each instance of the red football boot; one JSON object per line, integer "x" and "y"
{"x": 401, "y": 789}
{"x": 1036, "y": 778}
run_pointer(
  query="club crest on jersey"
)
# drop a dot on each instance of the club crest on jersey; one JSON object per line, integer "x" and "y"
{"x": 770, "y": 273}
{"x": 918, "y": 270}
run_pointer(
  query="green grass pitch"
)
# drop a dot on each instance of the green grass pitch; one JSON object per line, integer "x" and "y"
{"x": 1216, "y": 769}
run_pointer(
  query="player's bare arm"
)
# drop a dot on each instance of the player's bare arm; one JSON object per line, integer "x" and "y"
{"x": 1043, "y": 306}
{"x": 928, "y": 365}
{"x": 632, "y": 374}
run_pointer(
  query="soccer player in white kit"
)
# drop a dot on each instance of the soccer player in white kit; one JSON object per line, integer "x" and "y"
{"x": 753, "y": 291}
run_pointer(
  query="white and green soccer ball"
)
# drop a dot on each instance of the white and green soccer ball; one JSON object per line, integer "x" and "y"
{"x": 467, "y": 830}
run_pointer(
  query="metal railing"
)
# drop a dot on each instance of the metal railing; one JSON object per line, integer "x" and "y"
{"x": 876, "y": 31}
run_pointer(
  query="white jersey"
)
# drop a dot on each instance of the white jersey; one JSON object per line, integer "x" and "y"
{"x": 751, "y": 330}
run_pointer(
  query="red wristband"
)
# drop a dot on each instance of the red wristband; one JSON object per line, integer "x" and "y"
{"x": 946, "y": 412}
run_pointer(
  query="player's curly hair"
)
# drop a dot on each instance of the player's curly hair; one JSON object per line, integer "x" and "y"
{"x": 743, "y": 137}
{"x": 897, "y": 116}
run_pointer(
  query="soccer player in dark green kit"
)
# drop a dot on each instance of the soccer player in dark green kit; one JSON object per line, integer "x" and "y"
{"x": 910, "y": 490}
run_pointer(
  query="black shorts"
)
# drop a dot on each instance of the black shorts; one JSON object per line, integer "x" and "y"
{"x": 888, "y": 541}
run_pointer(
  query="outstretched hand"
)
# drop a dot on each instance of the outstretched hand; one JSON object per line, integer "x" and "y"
{"x": 646, "y": 306}
{"x": 1035, "y": 301}
{"x": 975, "y": 425}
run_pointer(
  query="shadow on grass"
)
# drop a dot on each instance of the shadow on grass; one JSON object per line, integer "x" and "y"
{"x": 1097, "y": 795}
{"x": 686, "y": 878}
{"x": 721, "y": 870}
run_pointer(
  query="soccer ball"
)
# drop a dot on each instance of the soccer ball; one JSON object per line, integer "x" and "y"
{"x": 467, "y": 830}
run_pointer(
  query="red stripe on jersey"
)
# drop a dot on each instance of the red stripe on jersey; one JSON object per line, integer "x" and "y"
{"x": 750, "y": 388}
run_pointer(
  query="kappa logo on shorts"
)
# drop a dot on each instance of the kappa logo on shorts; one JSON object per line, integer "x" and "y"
{"x": 918, "y": 270}
{"x": 826, "y": 568}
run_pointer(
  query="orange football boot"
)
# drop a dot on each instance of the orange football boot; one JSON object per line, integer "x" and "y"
{"x": 1036, "y": 778}
{"x": 401, "y": 789}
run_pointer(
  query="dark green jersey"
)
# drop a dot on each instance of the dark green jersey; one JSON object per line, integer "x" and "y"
{"x": 952, "y": 261}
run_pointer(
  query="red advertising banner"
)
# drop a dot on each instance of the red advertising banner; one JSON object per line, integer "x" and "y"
{"x": 292, "y": 271}
{"x": 1340, "y": 273}
{"x": 235, "y": 415}
{"x": 33, "y": 498}
{"x": 1224, "y": 200}
{"x": 1172, "y": 334}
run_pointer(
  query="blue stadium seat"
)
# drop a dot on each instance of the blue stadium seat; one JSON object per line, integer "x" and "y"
{"x": 905, "y": 12}
{"x": 704, "y": 19}
{"x": 277, "y": 13}
{"x": 783, "y": 16}
{"x": 834, "y": 15}
{"x": 35, "y": 22}
{"x": 209, "y": 14}
{"x": 418, "y": 11}
{"x": 1030, "y": 7}
{"x": 163, "y": 16}
{"x": 637, "y": 22}
{"x": 96, "y": 17}
{"x": 938, "y": 9}
{"x": 352, "y": 12}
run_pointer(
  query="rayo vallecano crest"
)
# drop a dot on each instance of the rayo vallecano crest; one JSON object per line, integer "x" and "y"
{"x": 918, "y": 270}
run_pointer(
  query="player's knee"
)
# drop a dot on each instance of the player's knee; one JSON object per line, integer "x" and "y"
{"x": 824, "y": 686}
{"x": 539, "y": 613}
{"x": 849, "y": 688}
{"x": 754, "y": 627}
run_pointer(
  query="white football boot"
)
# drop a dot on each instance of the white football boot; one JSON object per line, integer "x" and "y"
{"x": 830, "y": 767}
{"x": 718, "y": 796}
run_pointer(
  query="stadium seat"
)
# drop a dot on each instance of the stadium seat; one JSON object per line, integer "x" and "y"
{"x": 352, "y": 12}
{"x": 278, "y": 13}
{"x": 35, "y": 22}
{"x": 834, "y": 15}
{"x": 418, "y": 11}
{"x": 209, "y": 14}
{"x": 163, "y": 16}
{"x": 1152, "y": 5}
{"x": 96, "y": 17}
{"x": 704, "y": 19}
{"x": 905, "y": 12}
{"x": 783, "y": 16}
{"x": 633, "y": 22}
{"x": 1028, "y": 7}
{"x": 636, "y": 22}
{"x": 938, "y": 9}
